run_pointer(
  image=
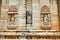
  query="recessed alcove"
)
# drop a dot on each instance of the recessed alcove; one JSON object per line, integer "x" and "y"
{"x": 12, "y": 17}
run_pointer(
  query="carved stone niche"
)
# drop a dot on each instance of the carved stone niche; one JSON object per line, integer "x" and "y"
{"x": 12, "y": 17}
{"x": 45, "y": 18}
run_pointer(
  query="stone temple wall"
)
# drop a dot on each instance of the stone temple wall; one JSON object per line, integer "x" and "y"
{"x": 37, "y": 10}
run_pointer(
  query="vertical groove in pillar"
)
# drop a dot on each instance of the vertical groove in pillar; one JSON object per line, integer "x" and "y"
{"x": 28, "y": 14}
{"x": 0, "y": 7}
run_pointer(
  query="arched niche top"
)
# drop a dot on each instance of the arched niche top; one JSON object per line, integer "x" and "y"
{"x": 45, "y": 9}
{"x": 12, "y": 8}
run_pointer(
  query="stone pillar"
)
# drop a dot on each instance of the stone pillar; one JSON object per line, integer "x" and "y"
{"x": 54, "y": 15}
{"x": 4, "y": 13}
{"x": 58, "y": 4}
{"x": 21, "y": 15}
{"x": 36, "y": 14}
